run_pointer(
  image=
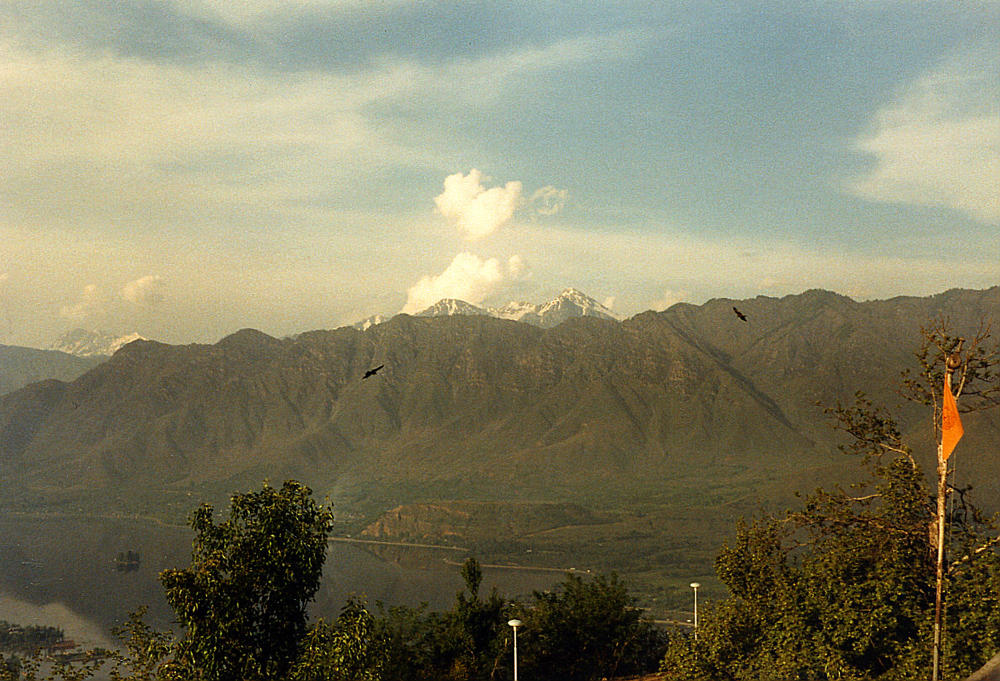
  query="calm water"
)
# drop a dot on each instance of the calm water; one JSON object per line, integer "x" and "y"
{"x": 64, "y": 573}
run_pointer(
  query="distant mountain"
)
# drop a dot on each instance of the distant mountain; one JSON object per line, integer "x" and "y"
{"x": 83, "y": 343}
{"x": 447, "y": 307}
{"x": 690, "y": 410}
{"x": 567, "y": 305}
{"x": 21, "y": 366}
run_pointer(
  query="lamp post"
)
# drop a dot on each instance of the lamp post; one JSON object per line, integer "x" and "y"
{"x": 695, "y": 585}
{"x": 514, "y": 624}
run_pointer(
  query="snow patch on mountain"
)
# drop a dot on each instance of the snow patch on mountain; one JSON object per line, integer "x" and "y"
{"x": 568, "y": 304}
{"x": 83, "y": 343}
{"x": 446, "y": 307}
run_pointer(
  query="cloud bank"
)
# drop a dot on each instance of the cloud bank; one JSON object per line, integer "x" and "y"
{"x": 468, "y": 278}
{"x": 938, "y": 144}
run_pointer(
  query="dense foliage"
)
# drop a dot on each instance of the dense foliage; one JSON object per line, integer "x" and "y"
{"x": 242, "y": 608}
{"x": 466, "y": 643}
{"x": 27, "y": 638}
{"x": 844, "y": 587}
{"x": 586, "y": 628}
{"x": 243, "y": 601}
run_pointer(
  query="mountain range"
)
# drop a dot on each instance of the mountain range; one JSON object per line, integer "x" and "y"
{"x": 689, "y": 416}
{"x": 568, "y": 304}
{"x": 69, "y": 357}
{"x": 22, "y": 366}
{"x": 85, "y": 343}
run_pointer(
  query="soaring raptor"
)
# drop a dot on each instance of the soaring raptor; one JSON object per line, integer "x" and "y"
{"x": 372, "y": 372}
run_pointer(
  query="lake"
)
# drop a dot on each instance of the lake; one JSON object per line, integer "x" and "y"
{"x": 75, "y": 574}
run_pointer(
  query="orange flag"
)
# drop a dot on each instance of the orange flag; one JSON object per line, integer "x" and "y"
{"x": 951, "y": 424}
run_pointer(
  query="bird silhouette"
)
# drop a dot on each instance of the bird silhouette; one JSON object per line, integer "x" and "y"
{"x": 739, "y": 314}
{"x": 372, "y": 372}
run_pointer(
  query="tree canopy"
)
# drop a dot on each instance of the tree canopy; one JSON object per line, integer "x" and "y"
{"x": 843, "y": 587}
{"x": 242, "y": 602}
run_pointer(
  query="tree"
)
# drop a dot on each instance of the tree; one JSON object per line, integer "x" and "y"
{"x": 146, "y": 655}
{"x": 463, "y": 644}
{"x": 346, "y": 650}
{"x": 844, "y": 586}
{"x": 586, "y": 629}
{"x": 10, "y": 668}
{"x": 243, "y": 601}
{"x": 480, "y": 625}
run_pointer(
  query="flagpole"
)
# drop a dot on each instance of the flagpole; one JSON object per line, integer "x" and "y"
{"x": 942, "y": 469}
{"x": 951, "y": 433}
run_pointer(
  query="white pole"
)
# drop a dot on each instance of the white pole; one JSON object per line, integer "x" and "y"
{"x": 695, "y": 585}
{"x": 514, "y": 624}
{"x": 515, "y": 653}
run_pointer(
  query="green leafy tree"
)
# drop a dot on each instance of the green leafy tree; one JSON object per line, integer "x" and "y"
{"x": 843, "y": 588}
{"x": 586, "y": 629}
{"x": 463, "y": 644}
{"x": 242, "y": 603}
{"x": 38, "y": 667}
{"x": 348, "y": 649}
{"x": 10, "y": 668}
{"x": 414, "y": 640}
{"x": 146, "y": 654}
{"x": 481, "y": 625}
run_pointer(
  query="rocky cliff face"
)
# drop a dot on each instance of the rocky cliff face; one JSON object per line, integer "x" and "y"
{"x": 674, "y": 403}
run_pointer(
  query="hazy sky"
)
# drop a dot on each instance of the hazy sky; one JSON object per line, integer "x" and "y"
{"x": 187, "y": 168}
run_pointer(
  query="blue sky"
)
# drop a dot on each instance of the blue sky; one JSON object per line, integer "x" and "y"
{"x": 187, "y": 168}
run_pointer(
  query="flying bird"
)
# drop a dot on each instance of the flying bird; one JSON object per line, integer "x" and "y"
{"x": 372, "y": 372}
{"x": 739, "y": 314}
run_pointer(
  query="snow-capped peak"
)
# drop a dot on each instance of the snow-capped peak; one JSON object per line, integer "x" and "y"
{"x": 451, "y": 306}
{"x": 569, "y": 303}
{"x": 515, "y": 310}
{"x": 572, "y": 303}
{"x": 83, "y": 343}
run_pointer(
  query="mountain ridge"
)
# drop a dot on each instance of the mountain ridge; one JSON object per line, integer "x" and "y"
{"x": 84, "y": 343}
{"x": 20, "y": 366}
{"x": 568, "y": 304}
{"x": 663, "y": 408}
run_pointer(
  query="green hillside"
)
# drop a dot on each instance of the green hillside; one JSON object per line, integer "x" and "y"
{"x": 659, "y": 430}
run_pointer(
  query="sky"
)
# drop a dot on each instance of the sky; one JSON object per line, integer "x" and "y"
{"x": 187, "y": 168}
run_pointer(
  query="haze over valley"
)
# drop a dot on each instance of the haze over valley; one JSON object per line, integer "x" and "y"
{"x": 595, "y": 444}
{"x": 561, "y": 286}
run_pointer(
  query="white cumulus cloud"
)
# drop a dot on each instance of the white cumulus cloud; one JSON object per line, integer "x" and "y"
{"x": 146, "y": 291}
{"x": 938, "y": 144}
{"x": 91, "y": 303}
{"x": 468, "y": 277}
{"x": 476, "y": 211}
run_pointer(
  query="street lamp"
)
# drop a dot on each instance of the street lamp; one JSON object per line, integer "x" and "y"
{"x": 695, "y": 585}
{"x": 514, "y": 624}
